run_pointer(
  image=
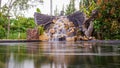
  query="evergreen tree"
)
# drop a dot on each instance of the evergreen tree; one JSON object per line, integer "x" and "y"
{"x": 70, "y": 8}
{"x": 56, "y": 13}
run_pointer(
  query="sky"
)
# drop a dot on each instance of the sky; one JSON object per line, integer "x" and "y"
{"x": 45, "y": 7}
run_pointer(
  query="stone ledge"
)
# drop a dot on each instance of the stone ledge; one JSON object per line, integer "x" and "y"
{"x": 13, "y": 41}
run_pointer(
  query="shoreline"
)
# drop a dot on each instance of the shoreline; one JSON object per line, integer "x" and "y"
{"x": 18, "y": 41}
{"x": 25, "y": 41}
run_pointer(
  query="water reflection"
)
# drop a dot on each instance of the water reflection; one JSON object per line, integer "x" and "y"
{"x": 60, "y": 55}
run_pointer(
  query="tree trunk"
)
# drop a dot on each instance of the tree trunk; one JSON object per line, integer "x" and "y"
{"x": 8, "y": 27}
{"x": 0, "y": 4}
{"x": 8, "y": 33}
{"x": 50, "y": 7}
{"x": 88, "y": 32}
{"x": 98, "y": 35}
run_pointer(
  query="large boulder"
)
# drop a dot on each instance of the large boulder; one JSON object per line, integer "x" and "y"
{"x": 42, "y": 19}
{"x": 77, "y": 18}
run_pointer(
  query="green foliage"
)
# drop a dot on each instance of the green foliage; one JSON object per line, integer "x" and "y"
{"x": 3, "y": 19}
{"x": 70, "y": 8}
{"x": 2, "y": 32}
{"x": 19, "y": 25}
{"x": 15, "y": 7}
{"x": 40, "y": 30}
{"x": 38, "y": 10}
{"x": 3, "y": 24}
{"x": 17, "y": 35}
{"x": 24, "y": 23}
{"x": 107, "y": 23}
{"x": 87, "y": 6}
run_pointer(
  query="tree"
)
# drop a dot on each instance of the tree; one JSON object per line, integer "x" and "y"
{"x": 19, "y": 5}
{"x": 56, "y": 13}
{"x": 62, "y": 11}
{"x": 87, "y": 6}
{"x": 50, "y": 7}
{"x": 70, "y": 8}
{"x": 0, "y": 4}
{"x": 3, "y": 23}
{"x": 14, "y": 6}
{"x": 107, "y": 22}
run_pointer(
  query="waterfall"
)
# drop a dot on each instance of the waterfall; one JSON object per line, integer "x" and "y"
{"x": 61, "y": 29}
{"x": 58, "y": 31}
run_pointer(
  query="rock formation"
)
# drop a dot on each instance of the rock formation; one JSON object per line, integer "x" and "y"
{"x": 66, "y": 27}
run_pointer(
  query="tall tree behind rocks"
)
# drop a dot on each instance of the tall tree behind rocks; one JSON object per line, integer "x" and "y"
{"x": 70, "y": 8}
{"x": 0, "y": 4}
{"x": 56, "y": 11}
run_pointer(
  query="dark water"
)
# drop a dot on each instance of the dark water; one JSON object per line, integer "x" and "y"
{"x": 60, "y": 55}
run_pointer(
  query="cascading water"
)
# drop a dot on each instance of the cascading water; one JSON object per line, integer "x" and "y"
{"x": 60, "y": 30}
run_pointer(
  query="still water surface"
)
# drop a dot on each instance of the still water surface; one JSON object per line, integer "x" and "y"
{"x": 60, "y": 55}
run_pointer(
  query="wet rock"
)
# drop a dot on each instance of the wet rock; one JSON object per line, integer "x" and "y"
{"x": 85, "y": 38}
{"x": 32, "y": 34}
{"x": 55, "y": 19}
{"x": 44, "y": 37}
{"x": 71, "y": 38}
{"x": 52, "y": 31}
{"x": 71, "y": 31}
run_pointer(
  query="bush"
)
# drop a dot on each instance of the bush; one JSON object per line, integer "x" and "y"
{"x": 17, "y": 35}
{"x": 2, "y": 32}
{"x": 107, "y": 24}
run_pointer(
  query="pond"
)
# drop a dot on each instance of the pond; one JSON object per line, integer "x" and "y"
{"x": 60, "y": 55}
